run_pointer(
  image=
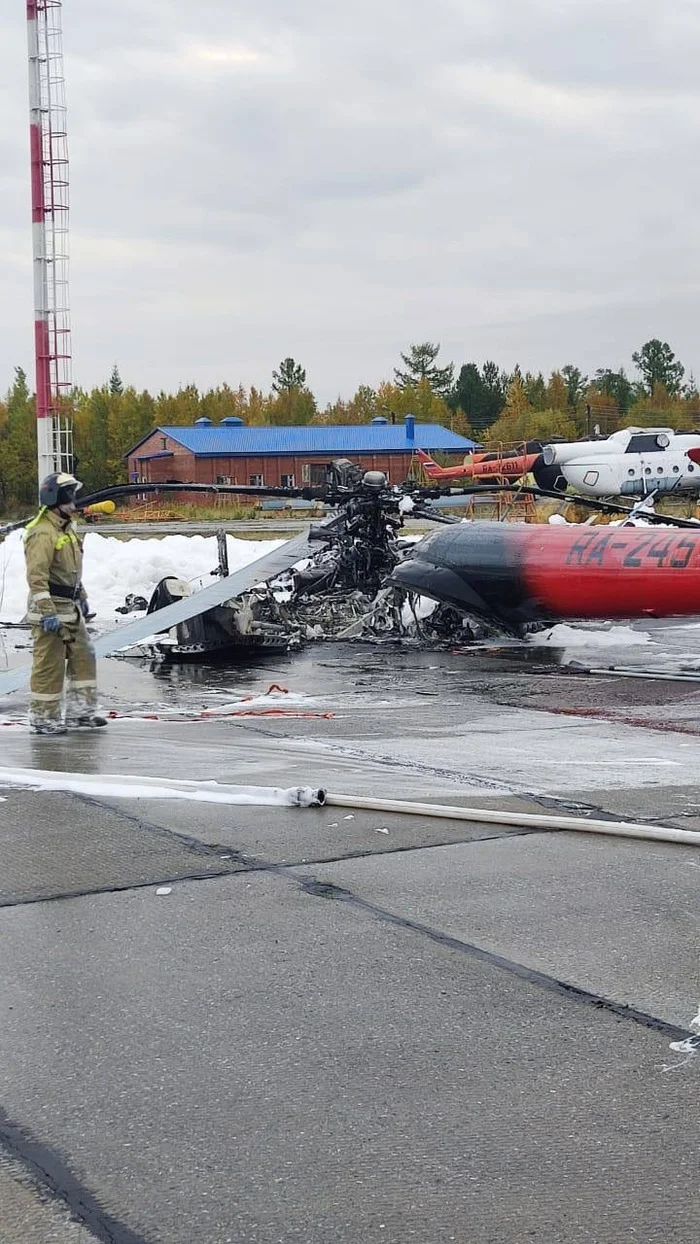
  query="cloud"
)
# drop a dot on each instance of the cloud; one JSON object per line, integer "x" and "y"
{"x": 230, "y": 57}
{"x": 334, "y": 181}
{"x": 518, "y": 95}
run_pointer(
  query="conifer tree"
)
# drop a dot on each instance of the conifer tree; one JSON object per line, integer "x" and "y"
{"x": 115, "y": 381}
{"x": 659, "y": 365}
{"x": 421, "y": 366}
{"x": 289, "y": 376}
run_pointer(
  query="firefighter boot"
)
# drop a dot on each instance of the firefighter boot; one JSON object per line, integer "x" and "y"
{"x": 45, "y": 715}
{"x": 86, "y": 721}
{"x": 81, "y": 698}
{"x": 45, "y": 725}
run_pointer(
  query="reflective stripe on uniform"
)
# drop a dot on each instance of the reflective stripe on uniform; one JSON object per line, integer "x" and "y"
{"x": 47, "y": 699}
{"x": 68, "y": 537}
{"x": 34, "y": 521}
{"x": 63, "y": 614}
{"x": 61, "y": 602}
{"x": 81, "y": 686}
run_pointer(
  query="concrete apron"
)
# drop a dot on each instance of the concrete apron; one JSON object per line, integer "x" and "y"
{"x": 352, "y": 1026}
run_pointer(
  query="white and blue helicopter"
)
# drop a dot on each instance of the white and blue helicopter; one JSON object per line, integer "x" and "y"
{"x": 633, "y": 462}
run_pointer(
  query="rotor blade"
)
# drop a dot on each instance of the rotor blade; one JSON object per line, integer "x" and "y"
{"x": 263, "y": 568}
{"x": 593, "y": 503}
{"x": 135, "y": 490}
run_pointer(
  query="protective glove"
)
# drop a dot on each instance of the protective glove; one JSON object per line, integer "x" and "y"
{"x": 51, "y": 625}
{"x": 85, "y": 610}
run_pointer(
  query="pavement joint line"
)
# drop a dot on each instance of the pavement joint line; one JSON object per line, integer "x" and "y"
{"x": 160, "y": 831}
{"x": 315, "y": 888}
{"x": 241, "y": 865}
{"x": 327, "y": 890}
{"x": 63, "y": 895}
{"x": 48, "y": 1169}
{"x": 402, "y": 849}
{"x": 238, "y": 863}
{"x": 595, "y": 812}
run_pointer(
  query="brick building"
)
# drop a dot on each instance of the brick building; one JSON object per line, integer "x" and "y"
{"x": 288, "y": 457}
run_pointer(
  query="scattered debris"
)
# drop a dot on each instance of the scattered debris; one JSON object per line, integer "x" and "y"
{"x": 133, "y": 604}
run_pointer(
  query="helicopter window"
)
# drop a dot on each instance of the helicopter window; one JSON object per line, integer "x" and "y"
{"x": 630, "y": 471}
{"x": 647, "y": 470}
{"x": 690, "y": 467}
{"x": 676, "y": 469}
{"x": 644, "y": 443}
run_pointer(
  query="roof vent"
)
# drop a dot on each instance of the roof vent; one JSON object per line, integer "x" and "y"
{"x": 380, "y": 420}
{"x": 410, "y": 422}
{"x": 232, "y": 421}
{"x": 202, "y": 423}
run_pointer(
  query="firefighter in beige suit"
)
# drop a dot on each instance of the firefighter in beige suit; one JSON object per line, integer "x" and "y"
{"x": 57, "y": 611}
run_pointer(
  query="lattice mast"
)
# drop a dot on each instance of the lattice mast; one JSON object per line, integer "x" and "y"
{"x": 49, "y": 176}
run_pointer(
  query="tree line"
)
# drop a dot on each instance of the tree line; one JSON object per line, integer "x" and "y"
{"x": 481, "y": 401}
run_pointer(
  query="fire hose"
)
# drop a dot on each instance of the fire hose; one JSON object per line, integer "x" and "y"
{"x": 522, "y": 820}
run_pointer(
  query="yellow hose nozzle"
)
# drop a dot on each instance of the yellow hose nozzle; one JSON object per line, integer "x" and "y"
{"x": 100, "y": 507}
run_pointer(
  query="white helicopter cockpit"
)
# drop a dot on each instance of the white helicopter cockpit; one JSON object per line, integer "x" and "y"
{"x": 632, "y": 462}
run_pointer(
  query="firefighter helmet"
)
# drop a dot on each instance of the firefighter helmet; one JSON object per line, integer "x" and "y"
{"x": 58, "y": 489}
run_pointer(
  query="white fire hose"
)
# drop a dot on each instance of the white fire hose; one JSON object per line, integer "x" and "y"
{"x": 523, "y": 820}
{"x": 144, "y": 787}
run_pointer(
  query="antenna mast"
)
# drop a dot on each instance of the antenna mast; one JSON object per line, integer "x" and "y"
{"x": 49, "y": 170}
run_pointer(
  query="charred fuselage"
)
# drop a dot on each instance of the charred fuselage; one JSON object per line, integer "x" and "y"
{"x": 520, "y": 573}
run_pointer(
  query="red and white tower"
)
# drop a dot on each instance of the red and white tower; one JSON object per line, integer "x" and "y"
{"x": 49, "y": 167}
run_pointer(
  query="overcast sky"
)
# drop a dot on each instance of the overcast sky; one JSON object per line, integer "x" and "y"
{"x": 334, "y": 179}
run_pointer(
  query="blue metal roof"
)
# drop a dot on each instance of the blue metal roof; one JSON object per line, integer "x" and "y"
{"x": 223, "y": 442}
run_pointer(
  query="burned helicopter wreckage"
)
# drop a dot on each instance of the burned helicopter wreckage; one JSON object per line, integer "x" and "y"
{"x": 341, "y": 591}
{"x": 360, "y": 580}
